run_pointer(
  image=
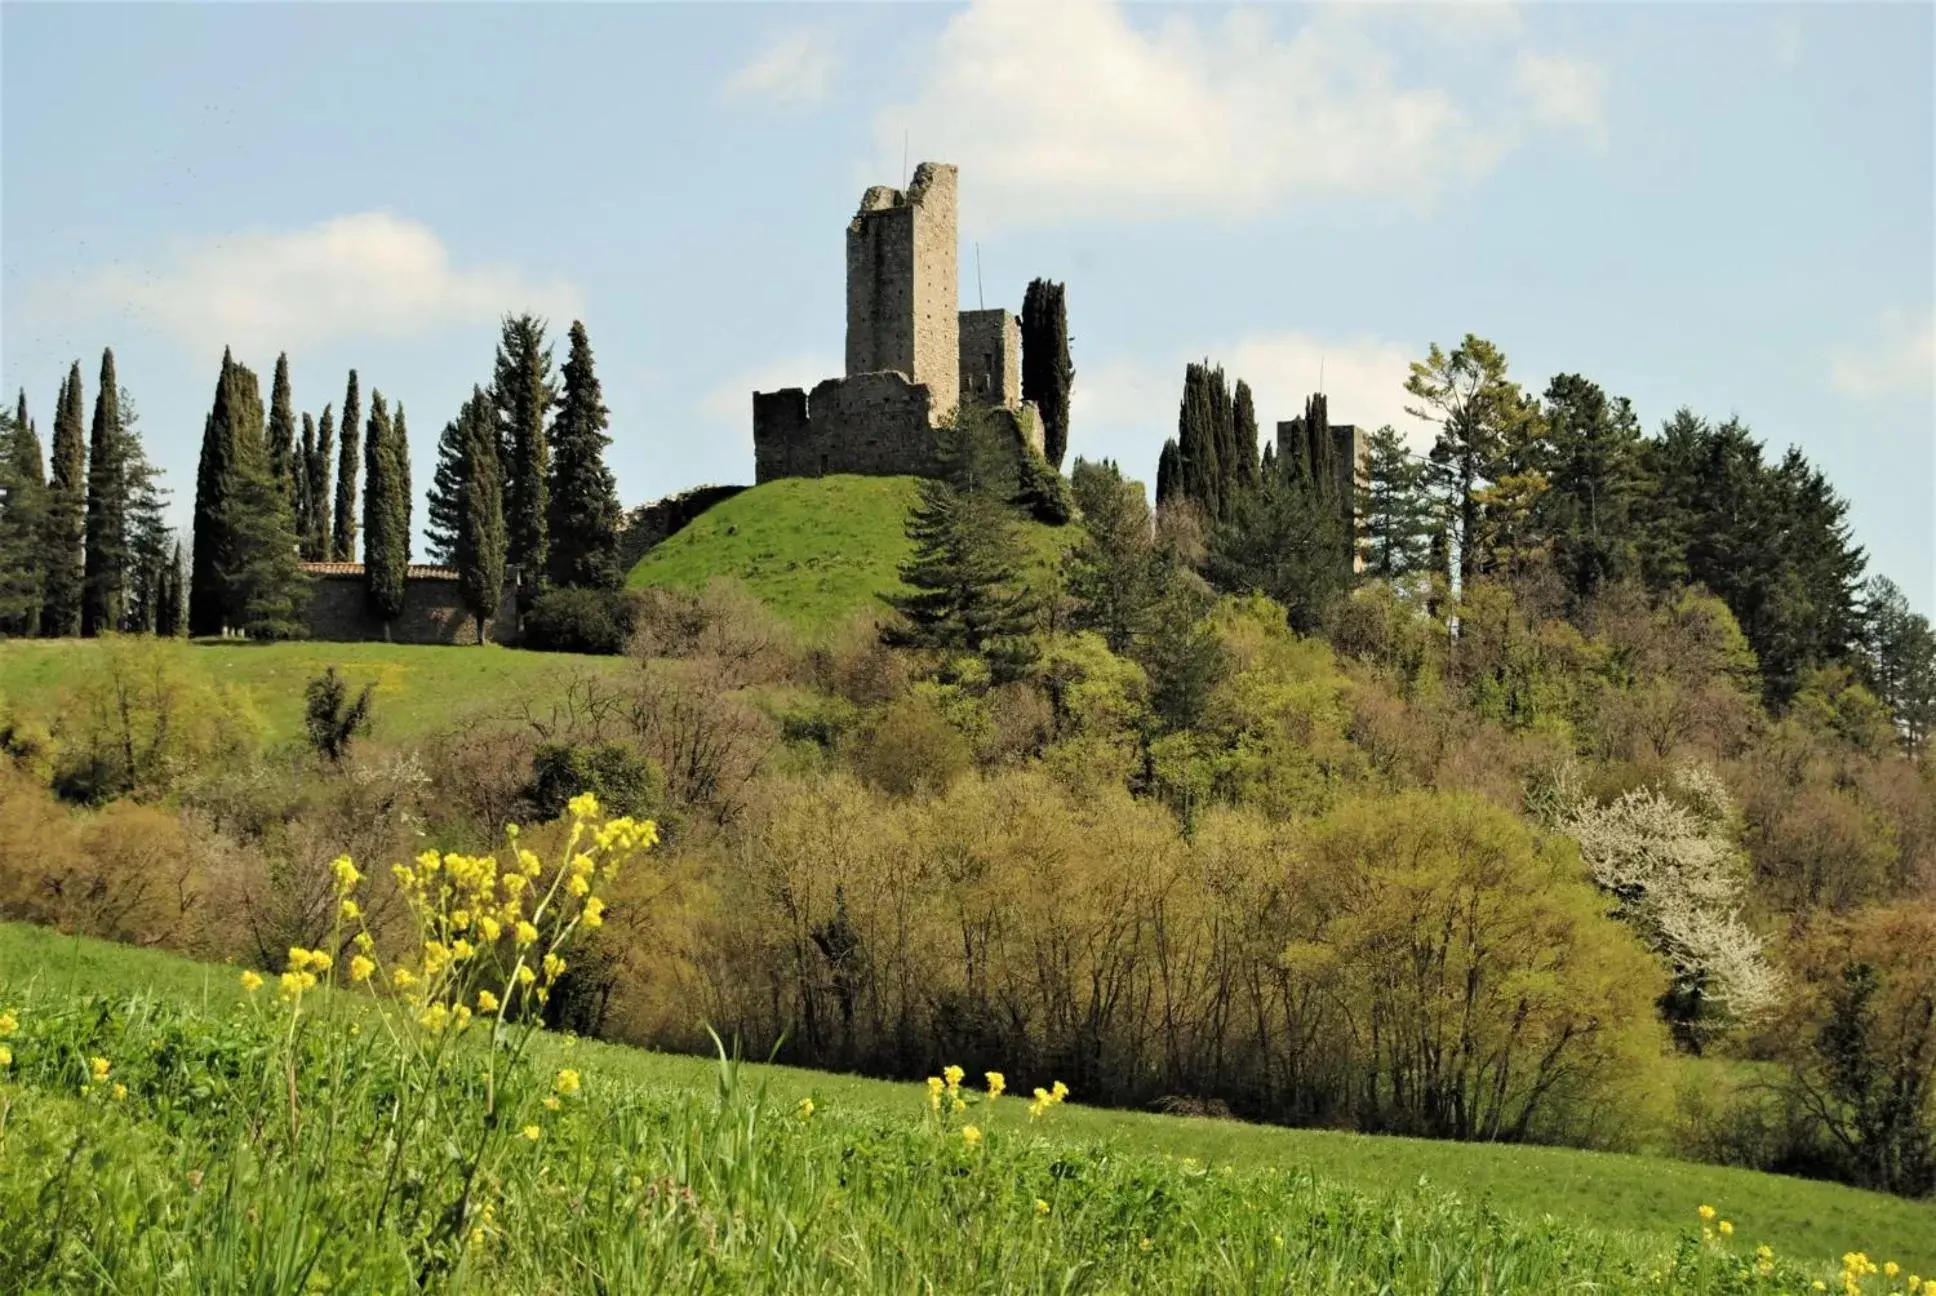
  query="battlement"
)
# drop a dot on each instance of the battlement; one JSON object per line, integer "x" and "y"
{"x": 902, "y": 283}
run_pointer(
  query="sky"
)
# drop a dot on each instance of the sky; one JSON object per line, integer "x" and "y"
{"x": 1729, "y": 207}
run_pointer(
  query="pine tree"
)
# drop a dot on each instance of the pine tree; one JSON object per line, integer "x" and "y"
{"x": 1287, "y": 540}
{"x": 342, "y": 538}
{"x": 1397, "y": 514}
{"x": 479, "y": 552}
{"x": 583, "y": 511}
{"x": 317, "y": 525}
{"x": 1594, "y": 476}
{"x": 522, "y": 393}
{"x": 23, "y": 524}
{"x": 104, "y": 592}
{"x": 64, "y": 571}
{"x": 151, "y": 542}
{"x": 385, "y": 514}
{"x": 1047, "y": 375}
{"x": 1115, "y": 571}
{"x": 1477, "y": 408}
{"x": 964, "y": 575}
{"x": 283, "y": 465}
{"x": 444, "y": 505}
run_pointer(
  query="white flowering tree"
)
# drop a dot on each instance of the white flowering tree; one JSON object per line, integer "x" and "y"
{"x": 1672, "y": 866}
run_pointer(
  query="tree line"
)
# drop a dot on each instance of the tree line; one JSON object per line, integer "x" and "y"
{"x": 1562, "y": 490}
{"x": 521, "y": 487}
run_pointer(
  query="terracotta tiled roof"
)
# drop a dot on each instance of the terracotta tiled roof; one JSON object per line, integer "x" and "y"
{"x": 416, "y": 571}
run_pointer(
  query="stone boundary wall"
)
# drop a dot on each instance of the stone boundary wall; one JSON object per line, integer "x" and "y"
{"x": 662, "y": 519}
{"x": 433, "y": 609}
{"x": 876, "y": 424}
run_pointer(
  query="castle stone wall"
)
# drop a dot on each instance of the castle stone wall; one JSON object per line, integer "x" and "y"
{"x": 878, "y": 424}
{"x": 991, "y": 358}
{"x": 433, "y": 611}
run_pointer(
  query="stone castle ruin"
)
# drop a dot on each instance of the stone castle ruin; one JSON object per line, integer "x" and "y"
{"x": 913, "y": 357}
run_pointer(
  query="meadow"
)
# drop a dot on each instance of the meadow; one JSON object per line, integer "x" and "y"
{"x": 663, "y": 1172}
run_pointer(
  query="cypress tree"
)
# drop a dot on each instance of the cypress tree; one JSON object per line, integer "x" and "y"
{"x": 245, "y": 574}
{"x": 299, "y": 480}
{"x": 582, "y": 512}
{"x": 320, "y": 501}
{"x": 104, "y": 592}
{"x": 342, "y": 539}
{"x": 1169, "y": 473}
{"x": 1200, "y": 439}
{"x": 522, "y": 393}
{"x": 282, "y": 431}
{"x": 385, "y": 558}
{"x": 479, "y": 552}
{"x": 400, "y": 447}
{"x": 1047, "y": 374}
{"x": 1243, "y": 415}
{"x": 64, "y": 564}
{"x": 23, "y": 524}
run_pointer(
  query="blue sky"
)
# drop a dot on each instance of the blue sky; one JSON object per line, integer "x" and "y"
{"x": 1731, "y": 207}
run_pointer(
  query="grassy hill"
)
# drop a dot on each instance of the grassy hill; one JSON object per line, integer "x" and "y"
{"x": 1568, "y": 1203}
{"x": 814, "y": 549}
{"x": 418, "y": 686}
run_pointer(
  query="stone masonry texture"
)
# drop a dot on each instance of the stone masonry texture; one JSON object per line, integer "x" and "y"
{"x": 433, "y": 609}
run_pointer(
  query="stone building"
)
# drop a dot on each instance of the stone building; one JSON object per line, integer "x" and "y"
{"x": 912, "y": 355}
{"x": 433, "y": 607}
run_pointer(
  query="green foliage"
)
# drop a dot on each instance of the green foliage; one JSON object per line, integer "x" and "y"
{"x": 1115, "y": 572}
{"x": 1479, "y": 412}
{"x": 104, "y": 588}
{"x": 480, "y": 536}
{"x": 245, "y": 574}
{"x": 23, "y": 524}
{"x": 594, "y": 621}
{"x": 523, "y": 394}
{"x": 913, "y": 748}
{"x": 582, "y": 509}
{"x": 284, "y": 465}
{"x": 1047, "y": 374}
{"x": 331, "y": 719}
{"x": 623, "y": 780}
{"x": 386, "y": 513}
{"x": 64, "y": 549}
{"x": 1286, "y": 539}
{"x": 1900, "y": 651}
{"x": 316, "y": 486}
{"x": 1397, "y": 514}
{"x": 342, "y": 532}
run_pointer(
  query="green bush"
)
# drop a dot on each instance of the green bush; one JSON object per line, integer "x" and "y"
{"x": 621, "y": 779}
{"x": 598, "y": 622}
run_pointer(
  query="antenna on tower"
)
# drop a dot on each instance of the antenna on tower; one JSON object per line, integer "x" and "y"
{"x": 981, "y": 303}
{"x": 1320, "y": 375}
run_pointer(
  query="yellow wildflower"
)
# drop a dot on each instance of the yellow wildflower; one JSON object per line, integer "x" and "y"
{"x": 1041, "y": 1207}
{"x": 532, "y": 1132}
{"x": 806, "y": 1109}
{"x": 289, "y": 984}
{"x": 997, "y": 1082}
{"x": 486, "y": 1001}
{"x": 120, "y": 1093}
{"x": 98, "y": 1068}
{"x": 346, "y": 875}
{"x": 460, "y": 919}
{"x": 461, "y": 1015}
{"x": 350, "y": 910}
{"x": 511, "y": 831}
{"x": 319, "y": 961}
{"x": 1727, "y": 1228}
{"x": 554, "y": 967}
{"x": 594, "y": 912}
{"x": 953, "y": 1075}
{"x": 488, "y": 928}
{"x": 462, "y": 949}
{"x": 6, "y": 1056}
{"x": 434, "y": 1017}
{"x": 251, "y": 982}
{"x": 1705, "y": 1212}
{"x": 360, "y": 968}
{"x": 551, "y": 1102}
{"x": 1145, "y": 1245}
{"x": 8, "y": 1023}
{"x": 530, "y": 863}
{"x": 364, "y": 942}
{"x": 1890, "y": 1270}
{"x": 403, "y": 978}
{"x": 526, "y": 933}
{"x": 567, "y": 1082}
{"x": 581, "y": 865}
{"x": 934, "y": 1092}
{"x": 578, "y": 886}
{"x": 1058, "y": 1092}
{"x": 525, "y": 975}
{"x": 970, "y": 1135}
{"x": 583, "y": 806}
{"x": 957, "y": 1106}
{"x": 298, "y": 957}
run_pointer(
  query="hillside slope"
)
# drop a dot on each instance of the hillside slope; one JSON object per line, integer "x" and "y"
{"x": 1644, "y": 1199}
{"x": 816, "y": 550}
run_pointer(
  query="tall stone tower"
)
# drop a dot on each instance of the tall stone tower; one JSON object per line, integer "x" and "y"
{"x": 902, "y": 284}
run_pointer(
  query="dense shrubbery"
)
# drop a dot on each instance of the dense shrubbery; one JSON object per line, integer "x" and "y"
{"x": 593, "y": 621}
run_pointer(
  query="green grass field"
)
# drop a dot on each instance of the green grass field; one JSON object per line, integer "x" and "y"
{"x": 1633, "y": 1206}
{"x": 419, "y": 687}
{"x": 816, "y": 550}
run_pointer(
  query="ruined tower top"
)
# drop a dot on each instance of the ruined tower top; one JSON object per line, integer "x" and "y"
{"x": 902, "y": 282}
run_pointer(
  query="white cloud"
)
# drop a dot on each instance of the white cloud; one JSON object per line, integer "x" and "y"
{"x": 793, "y": 71}
{"x": 1125, "y": 409}
{"x": 1070, "y": 110}
{"x": 1564, "y": 93}
{"x": 1901, "y": 359}
{"x": 731, "y": 400}
{"x": 366, "y": 275}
